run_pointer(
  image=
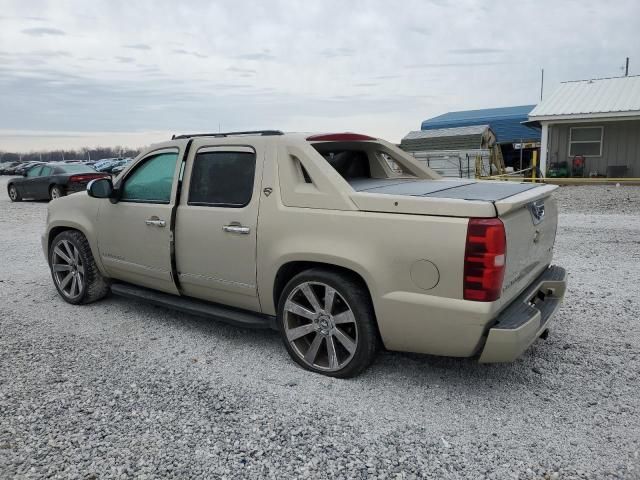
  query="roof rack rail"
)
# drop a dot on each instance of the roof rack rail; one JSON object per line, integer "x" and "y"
{"x": 264, "y": 133}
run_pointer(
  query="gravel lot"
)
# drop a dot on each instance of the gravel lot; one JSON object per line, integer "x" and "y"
{"x": 118, "y": 389}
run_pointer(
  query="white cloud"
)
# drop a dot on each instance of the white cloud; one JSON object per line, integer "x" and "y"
{"x": 373, "y": 66}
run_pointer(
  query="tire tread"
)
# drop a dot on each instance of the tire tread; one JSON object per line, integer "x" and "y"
{"x": 18, "y": 196}
{"x": 360, "y": 301}
{"x": 96, "y": 285}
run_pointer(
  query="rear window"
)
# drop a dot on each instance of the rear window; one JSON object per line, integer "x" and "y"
{"x": 351, "y": 164}
{"x": 355, "y": 163}
{"x": 75, "y": 169}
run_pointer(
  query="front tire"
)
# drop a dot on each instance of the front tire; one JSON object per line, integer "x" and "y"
{"x": 327, "y": 323}
{"x": 14, "y": 194}
{"x": 74, "y": 269}
{"x": 56, "y": 192}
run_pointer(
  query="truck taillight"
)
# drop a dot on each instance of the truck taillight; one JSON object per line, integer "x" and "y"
{"x": 484, "y": 259}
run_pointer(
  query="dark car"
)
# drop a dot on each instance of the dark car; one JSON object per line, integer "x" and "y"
{"x": 107, "y": 167}
{"x": 12, "y": 170}
{"x": 7, "y": 168}
{"x": 23, "y": 167}
{"x": 120, "y": 166}
{"x": 50, "y": 181}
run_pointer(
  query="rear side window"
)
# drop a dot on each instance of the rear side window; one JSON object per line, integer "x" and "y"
{"x": 34, "y": 172}
{"x": 222, "y": 179}
{"x": 46, "y": 171}
{"x": 152, "y": 181}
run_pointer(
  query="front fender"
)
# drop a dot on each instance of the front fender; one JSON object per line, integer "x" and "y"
{"x": 75, "y": 212}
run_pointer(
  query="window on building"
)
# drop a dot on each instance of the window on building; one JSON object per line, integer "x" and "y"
{"x": 222, "y": 179}
{"x": 585, "y": 141}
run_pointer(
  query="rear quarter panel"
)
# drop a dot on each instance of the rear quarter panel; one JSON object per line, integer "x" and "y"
{"x": 382, "y": 248}
{"x": 385, "y": 248}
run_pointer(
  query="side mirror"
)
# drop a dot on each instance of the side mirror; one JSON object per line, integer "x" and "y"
{"x": 24, "y": 174}
{"x": 100, "y": 188}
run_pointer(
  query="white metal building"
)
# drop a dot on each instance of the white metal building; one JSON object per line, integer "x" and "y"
{"x": 598, "y": 120}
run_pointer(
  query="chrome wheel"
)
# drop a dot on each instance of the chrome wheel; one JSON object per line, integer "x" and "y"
{"x": 55, "y": 193}
{"x": 68, "y": 269}
{"x": 13, "y": 193}
{"x": 320, "y": 326}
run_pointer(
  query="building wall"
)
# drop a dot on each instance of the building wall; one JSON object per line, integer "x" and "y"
{"x": 620, "y": 146}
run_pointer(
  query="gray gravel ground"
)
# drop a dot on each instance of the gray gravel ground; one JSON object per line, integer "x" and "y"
{"x": 119, "y": 389}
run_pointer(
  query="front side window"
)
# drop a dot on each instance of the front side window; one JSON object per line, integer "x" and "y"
{"x": 34, "y": 172}
{"x": 585, "y": 141}
{"x": 152, "y": 181}
{"x": 222, "y": 179}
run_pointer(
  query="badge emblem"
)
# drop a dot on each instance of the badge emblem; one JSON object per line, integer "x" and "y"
{"x": 537, "y": 211}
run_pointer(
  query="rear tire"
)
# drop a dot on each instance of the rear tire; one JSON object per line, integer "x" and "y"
{"x": 14, "y": 194}
{"x": 56, "y": 192}
{"x": 74, "y": 269}
{"x": 327, "y": 323}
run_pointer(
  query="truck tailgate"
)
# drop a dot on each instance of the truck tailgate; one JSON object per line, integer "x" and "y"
{"x": 530, "y": 220}
{"x": 449, "y": 197}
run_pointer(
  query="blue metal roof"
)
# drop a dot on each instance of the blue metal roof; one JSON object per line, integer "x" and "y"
{"x": 505, "y": 122}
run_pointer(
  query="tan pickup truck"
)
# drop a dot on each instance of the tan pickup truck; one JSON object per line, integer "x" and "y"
{"x": 342, "y": 242}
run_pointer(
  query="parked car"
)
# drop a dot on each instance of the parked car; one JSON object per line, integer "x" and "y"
{"x": 50, "y": 181}
{"x": 109, "y": 166}
{"x": 8, "y": 167}
{"x": 338, "y": 241}
{"x": 12, "y": 170}
{"x": 120, "y": 167}
{"x": 20, "y": 170}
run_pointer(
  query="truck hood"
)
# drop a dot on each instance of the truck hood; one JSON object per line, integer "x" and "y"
{"x": 459, "y": 198}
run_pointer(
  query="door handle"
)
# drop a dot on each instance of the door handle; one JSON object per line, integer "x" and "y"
{"x": 156, "y": 222}
{"x": 236, "y": 228}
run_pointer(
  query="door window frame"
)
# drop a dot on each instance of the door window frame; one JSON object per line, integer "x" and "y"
{"x": 223, "y": 149}
{"x": 142, "y": 161}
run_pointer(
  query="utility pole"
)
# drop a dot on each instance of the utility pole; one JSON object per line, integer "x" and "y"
{"x": 521, "y": 144}
{"x": 541, "y": 83}
{"x": 626, "y": 68}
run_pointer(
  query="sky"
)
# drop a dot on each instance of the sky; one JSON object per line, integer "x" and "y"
{"x": 79, "y": 73}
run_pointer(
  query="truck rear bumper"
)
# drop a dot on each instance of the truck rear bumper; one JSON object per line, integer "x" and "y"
{"x": 526, "y": 318}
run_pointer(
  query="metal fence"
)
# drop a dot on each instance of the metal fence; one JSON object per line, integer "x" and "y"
{"x": 457, "y": 163}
